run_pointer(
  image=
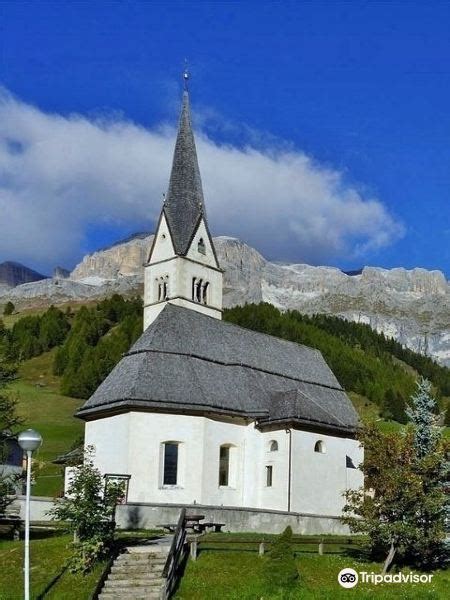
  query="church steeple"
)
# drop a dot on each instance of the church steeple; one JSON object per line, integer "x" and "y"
{"x": 182, "y": 268}
{"x": 184, "y": 205}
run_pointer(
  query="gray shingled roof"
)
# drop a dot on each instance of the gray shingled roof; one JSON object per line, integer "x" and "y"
{"x": 187, "y": 361}
{"x": 184, "y": 203}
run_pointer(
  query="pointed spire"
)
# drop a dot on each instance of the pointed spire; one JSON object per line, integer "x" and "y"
{"x": 184, "y": 203}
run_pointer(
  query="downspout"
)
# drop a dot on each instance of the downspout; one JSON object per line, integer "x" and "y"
{"x": 289, "y": 431}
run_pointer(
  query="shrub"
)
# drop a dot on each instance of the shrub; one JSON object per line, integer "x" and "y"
{"x": 281, "y": 569}
{"x": 88, "y": 512}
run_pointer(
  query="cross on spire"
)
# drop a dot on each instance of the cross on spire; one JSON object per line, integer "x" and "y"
{"x": 186, "y": 75}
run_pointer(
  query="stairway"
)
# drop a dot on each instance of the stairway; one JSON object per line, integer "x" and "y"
{"x": 136, "y": 574}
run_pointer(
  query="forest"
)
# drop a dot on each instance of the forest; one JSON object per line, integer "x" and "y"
{"x": 92, "y": 339}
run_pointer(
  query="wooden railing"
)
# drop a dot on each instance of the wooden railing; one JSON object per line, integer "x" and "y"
{"x": 206, "y": 542}
{"x": 176, "y": 556}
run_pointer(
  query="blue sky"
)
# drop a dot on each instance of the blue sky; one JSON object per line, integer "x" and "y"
{"x": 348, "y": 99}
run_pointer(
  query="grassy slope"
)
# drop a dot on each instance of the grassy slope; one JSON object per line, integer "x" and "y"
{"x": 48, "y": 556}
{"x": 45, "y": 409}
{"x": 232, "y": 575}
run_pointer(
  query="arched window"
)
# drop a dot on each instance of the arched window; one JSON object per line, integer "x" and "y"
{"x": 194, "y": 288}
{"x": 319, "y": 447}
{"x": 200, "y": 290}
{"x": 205, "y": 293}
{"x": 226, "y": 458}
{"x": 163, "y": 288}
{"x": 170, "y": 463}
{"x": 201, "y": 246}
{"x": 273, "y": 446}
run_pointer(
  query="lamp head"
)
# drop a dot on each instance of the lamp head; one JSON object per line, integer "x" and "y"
{"x": 29, "y": 440}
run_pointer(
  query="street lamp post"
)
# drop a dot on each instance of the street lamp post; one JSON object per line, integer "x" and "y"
{"x": 29, "y": 441}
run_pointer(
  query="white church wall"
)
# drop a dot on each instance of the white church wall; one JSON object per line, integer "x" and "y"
{"x": 180, "y": 273}
{"x": 275, "y": 496}
{"x": 219, "y": 433}
{"x": 163, "y": 246}
{"x": 320, "y": 478}
{"x": 150, "y": 431}
{"x": 110, "y": 440}
{"x": 193, "y": 253}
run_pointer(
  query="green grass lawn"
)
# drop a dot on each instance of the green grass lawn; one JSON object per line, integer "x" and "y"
{"x": 46, "y": 410}
{"x": 239, "y": 575}
{"x": 49, "y": 578}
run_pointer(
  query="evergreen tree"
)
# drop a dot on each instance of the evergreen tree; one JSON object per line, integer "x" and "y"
{"x": 281, "y": 569}
{"x": 9, "y": 421}
{"x": 9, "y": 308}
{"x": 404, "y": 514}
{"x": 422, "y": 415}
{"x": 447, "y": 416}
{"x": 431, "y": 465}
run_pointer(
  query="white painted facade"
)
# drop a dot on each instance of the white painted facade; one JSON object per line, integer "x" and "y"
{"x": 178, "y": 273}
{"x": 133, "y": 444}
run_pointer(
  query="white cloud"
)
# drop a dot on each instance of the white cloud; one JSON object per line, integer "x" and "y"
{"x": 60, "y": 175}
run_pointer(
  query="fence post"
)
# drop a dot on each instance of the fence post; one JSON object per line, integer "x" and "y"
{"x": 194, "y": 549}
{"x": 321, "y": 548}
{"x": 262, "y": 549}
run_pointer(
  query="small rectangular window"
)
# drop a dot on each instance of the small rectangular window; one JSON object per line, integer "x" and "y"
{"x": 224, "y": 465}
{"x": 170, "y": 464}
{"x": 269, "y": 471}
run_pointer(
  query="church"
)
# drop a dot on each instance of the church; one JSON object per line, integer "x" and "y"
{"x": 201, "y": 411}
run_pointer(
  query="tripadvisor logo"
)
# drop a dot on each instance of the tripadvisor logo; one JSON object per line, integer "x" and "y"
{"x": 348, "y": 578}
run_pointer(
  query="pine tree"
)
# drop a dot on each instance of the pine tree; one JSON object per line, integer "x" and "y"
{"x": 447, "y": 416}
{"x": 9, "y": 308}
{"x": 281, "y": 570}
{"x": 9, "y": 421}
{"x": 431, "y": 466}
{"x": 422, "y": 414}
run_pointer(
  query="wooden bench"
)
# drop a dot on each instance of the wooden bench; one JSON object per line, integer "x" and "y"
{"x": 193, "y": 522}
{"x": 216, "y": 526}
{"x": 169, "y": 526}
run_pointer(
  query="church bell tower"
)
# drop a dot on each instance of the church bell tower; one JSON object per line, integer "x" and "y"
{"x": 182, "y": 267}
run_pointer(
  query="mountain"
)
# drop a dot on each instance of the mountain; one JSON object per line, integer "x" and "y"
{"x": 13, "y": 273}
{"x": 412, "y": 306}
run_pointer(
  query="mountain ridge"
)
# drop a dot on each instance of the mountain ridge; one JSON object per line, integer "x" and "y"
{"x": 13, "y": 273}
{"x": 412, "y": 306}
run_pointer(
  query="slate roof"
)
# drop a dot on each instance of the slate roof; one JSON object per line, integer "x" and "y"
{"x": 189, "y": 362}
{"x": 184, "y": 204}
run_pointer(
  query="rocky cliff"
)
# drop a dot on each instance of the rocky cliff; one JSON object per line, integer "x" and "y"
{"x": 411, "y": 306}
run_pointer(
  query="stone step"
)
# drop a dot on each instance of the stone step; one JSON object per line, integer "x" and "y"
{"x": 151, "y": 568}
{"x": 139, "y": 555}
{"x": 135, "y": 591}
{"x": 133, "y": 582}
{"x": 130, "y": 596}
{"x": 134, "y": 576}
{"x": 138, "y": 559}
